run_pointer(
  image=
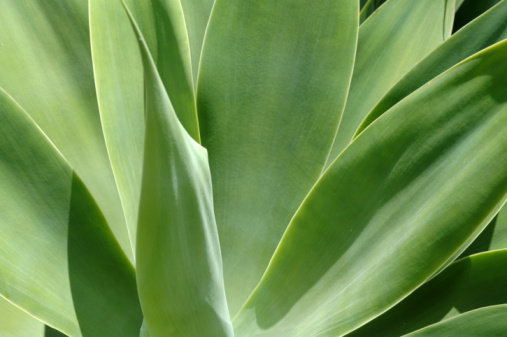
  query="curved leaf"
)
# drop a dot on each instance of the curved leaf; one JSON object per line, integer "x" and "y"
{"x": 118, "y": 77}
{"x": 470, "y": 283}
{"x": 489, "y": 321}
{"x": 490, "y": 28}
{"x": 390, "y": 43}
{"x": 197, "y": 13}
{"x": 179, "y": 267}
{"x": 272, "y": 84}
{"x": 46, "y": 65}
{"x": 58, "y": 258}
{"x": 396, "y": 205}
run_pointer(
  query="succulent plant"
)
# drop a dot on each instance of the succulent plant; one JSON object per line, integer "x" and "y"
{"x": 253, "y": 168}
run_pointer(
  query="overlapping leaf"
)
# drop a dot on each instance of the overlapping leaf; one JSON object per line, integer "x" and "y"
{"x": 391, "y": 42}
{"x": 179, "y": 266}
{"x": 397, "y": 205}
{"x": 272, "y": 85}
{"x": 58, "y": 258}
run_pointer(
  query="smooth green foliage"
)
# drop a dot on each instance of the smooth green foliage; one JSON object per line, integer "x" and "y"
{"x": 46, "y": 66}
{"x": 177, "y": 229}
{"x": 488, "y": 321}
{"x": 395, "y": 193}
{"x": 104, "y": 104}
{"x": 268, "y": 109}
{"x": 490, "y": 28}
{"x": 470, "y": 283}
{"x": 406, "y": 28}
{"x": 54, "y": 237}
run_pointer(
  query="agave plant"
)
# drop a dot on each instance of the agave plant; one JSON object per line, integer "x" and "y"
{"x": 253, "y": 168}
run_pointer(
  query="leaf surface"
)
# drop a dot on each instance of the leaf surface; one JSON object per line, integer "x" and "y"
{"x": 119, "y": 81}
{"x": 272, "y": 85}
{"x": 46, "y": 65}
{"x": 179, "y": 266}
{"x": 14, "y": 322}
{"x": 59, "y": 260}
{"x": 470, "y": 283}
{"x": 489, "y": 321}
{"x": 391, "y": 42}
{"x": 488, "y": 29}
{"x": 397, "y": 205}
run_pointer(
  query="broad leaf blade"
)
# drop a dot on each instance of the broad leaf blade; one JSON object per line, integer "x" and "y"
{"x": 470, "y": 283}
{"x": 46, "y": 65}
{"x": 58, "y": 258}
{"x": 489, "y": 321}
{"x": 470, "y": 9}
{"x": 490, "y": 28}
{"x": 179, "y": 267}
{"x": 272, "y": 85}
{"x": 396, "y": 205}
{"x": 119, "y": 81}
{"x": 390, "y": 43}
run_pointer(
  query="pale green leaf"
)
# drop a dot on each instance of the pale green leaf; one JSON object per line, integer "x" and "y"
{"x": 14, "y": 322}
{"x": 59, "y": 260}
{"x": 179, "y": 267}
{"x": 46, "y": 65}
{"x": 487, "y": 322}
{"x": 272, "y": 85}
{"x": 390, "y": 43}
{"x": 396, "y": 205}
{"x": 197, "y": 13}
{"x": 119, "y": 80}
{"x": 490, "y": 28}
{"x": 470, "y": 283}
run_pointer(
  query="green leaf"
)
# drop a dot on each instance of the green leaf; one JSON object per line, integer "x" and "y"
{"x": 118, "y": 77}
{"x": 390, "y": 43}
{"x": 470, "y": 283}
{"x": 470, "y": 9}
{"x": 490, "y": 28}
{"x": 46, "y": 65}
{"x": 396, "y": 205}
{"x": 144, "y": 330}
{"x": 369, "y": 7}
{"x": 50, "y": 332}
{"x": 272, "y": 84}
{"x": 197, "y": 13}
{"x": 179, "y": 267}
{"x": 59, "y": 260}
{"x": 489, "y": 321}
{"x": 14, "y": 322}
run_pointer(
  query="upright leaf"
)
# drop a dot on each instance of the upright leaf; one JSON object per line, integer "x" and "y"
{"x": 470, "y": 283}
{"x": 197, "y": 13}
{"x": 46, "y": 65}
{"x": 489, "y": 321}
{"x": 179, "y": 267}
{"x": 58, "y": 258}
{"x": 272, "y": 85}
{"x": 396, "y": 205}
{"x": 488, "y": 29}
{"x": 390, "y": 43}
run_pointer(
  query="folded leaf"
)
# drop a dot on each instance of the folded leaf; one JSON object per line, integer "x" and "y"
{"x": 272, "y": 85}
{"x": 488, "y": 29}
{"x": 119, "y": 80}
{"x": 489, "y": 321}
{"x": 179, "y": 267}
{"x": 46, "y": 65}
{"x": 470, "y": 283}
{"x": 396, "y": 205}
{"x": 399, "y": 35}
{"x": 59, "y": 260}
